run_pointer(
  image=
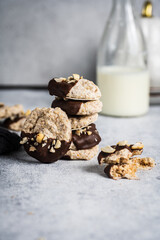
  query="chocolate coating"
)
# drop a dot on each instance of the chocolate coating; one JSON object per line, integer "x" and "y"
{"x": 43, "y": 154}
{"x": 107, "y": 170}
{"x": 85, "y": 141}
{"x": 71, "y": 107}
{"x": 60, "y": 89}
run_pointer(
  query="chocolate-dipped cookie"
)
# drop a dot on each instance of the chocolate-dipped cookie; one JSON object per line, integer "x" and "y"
{"x": 46, "y": 134}
{"x": 72, "y": 107}
{"x": 74, "y": 87}
{"x": 85, "y": 138}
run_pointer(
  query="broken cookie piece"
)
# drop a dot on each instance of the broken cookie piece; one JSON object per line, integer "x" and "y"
{"x": 118, "y": 171}
{"x": 119, "y": 153}
{"x": 145, "y": 163}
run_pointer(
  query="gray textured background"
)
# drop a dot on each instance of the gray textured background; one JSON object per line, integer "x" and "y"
{"x": 74, "y": 200}
{"x": 40, "y": 39}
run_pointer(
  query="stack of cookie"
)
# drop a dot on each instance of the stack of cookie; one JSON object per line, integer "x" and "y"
{"x": 79, "y": 98}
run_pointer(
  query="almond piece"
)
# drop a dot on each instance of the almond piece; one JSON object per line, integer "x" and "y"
{"x": 122, "y": 143}
{"x": 76, "y": 76}
{"x": 39, "y": 137}
{"x": 32, "y": 149}
{"x": 137, "y": 145}
{"x": 58, "y": 144}
{"x": 108, "y": 149}
{"x": 52, "y": 150}
{"x": 24, "y": 140}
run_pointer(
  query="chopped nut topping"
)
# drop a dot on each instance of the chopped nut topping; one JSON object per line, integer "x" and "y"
{"x": 54, "y": 142}
{"x": 44, "y": 144}
{"x": 122, "y": 143}
{"x": 89, "y": 132}
{"x": 45, "y": 139}
{"x": 24, "y": 140}
{"x": 71, "y": 81}
{"x": 58, "y": 144}
{"x": 70, "y": 78}
{"x": 39, "y": 137}
{"x": 28, "y": 112}
{"x": 32, "y": 139}
{"x": 36, "y": 144}
{"x": 76, "y": 76}
{"x": 81, "y": 77}
{"x": 32, "y": 149}
{"x": 137, "y": 145}
{"x": 78, "y": 132}
{"x": 52, "y": 150}
{"x": 108, "y": 149}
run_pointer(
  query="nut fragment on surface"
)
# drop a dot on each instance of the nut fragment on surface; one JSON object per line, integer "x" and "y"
{"x": 58, "y": 144}
{"x": 122, "y": 143}
{"x": 32, "y": 149}
{"x": 137, "y": 145}
{"x": 108, "y": 149}
{"x": 39, "y": 137}
{"x": 24, "y": 140}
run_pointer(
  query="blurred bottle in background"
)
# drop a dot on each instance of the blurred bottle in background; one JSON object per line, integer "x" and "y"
{"x": 151, "y": 30}
{"x": 122, "y": 74}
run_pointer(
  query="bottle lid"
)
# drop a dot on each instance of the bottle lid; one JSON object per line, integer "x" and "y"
{"x": 147, "y": 10}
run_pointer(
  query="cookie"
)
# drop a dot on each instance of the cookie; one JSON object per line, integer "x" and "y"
{"x": 85, "y": 154}
{"x": 78, "y": 122}
{"x": 46, "y": 134}
{"x": 10, "y": 111}
{"x": 74, "y": 87}
{"x": 118, "y": 171}
{"x": 16, "y": 124}
{"x": 120, "y": 153}
{"x": 85, "y": 138}
{"x": 72, "y": 107}
{"x": 9, "y": 142}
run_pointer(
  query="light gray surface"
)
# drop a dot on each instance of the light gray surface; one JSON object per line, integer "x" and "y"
{"x": 73, "y": 200}
{"x": 41, "y": 39}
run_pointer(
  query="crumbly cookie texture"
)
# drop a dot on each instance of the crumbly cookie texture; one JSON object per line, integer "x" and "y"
{"x": 51, "y": 122}
{"x": 118, "y": 171}
{"x": 11, "y": 111}
{"x": 85, "y": 90}
{"x": 82, "y": 121}
{"x": 86, "y": 154}
{"x": 90, "y": 108}
{"x": 145, "y": 163}
{"x": 120, "y": 161}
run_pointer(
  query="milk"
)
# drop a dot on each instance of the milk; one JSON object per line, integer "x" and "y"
{"x": 125, "y": 91}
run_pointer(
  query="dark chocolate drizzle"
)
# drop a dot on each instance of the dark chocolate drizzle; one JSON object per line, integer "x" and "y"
{"x": 43, "y": 154}
{"x": 71, "y": 107}
{"x": 107, "y": 170}
{"x": 118, "y": 148}
{"x": 85, "y": 141}
{"x": 60, "y": 89}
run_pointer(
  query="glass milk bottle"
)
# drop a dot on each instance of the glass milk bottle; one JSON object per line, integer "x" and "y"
{"x": 122, "y": 75}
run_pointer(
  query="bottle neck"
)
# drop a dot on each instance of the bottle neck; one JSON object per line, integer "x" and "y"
{"x": 122, "y": 8}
